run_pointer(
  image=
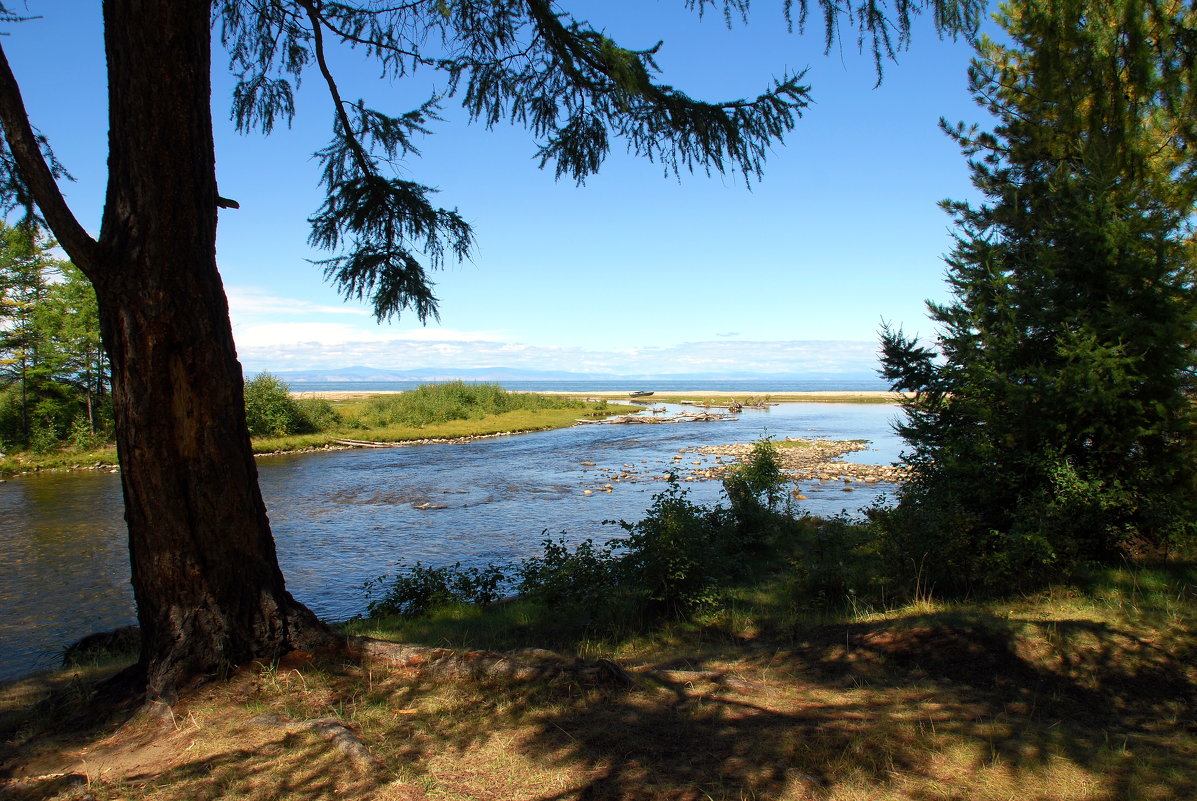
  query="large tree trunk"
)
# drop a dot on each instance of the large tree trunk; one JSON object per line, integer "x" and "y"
{"x": 209, "y": 591}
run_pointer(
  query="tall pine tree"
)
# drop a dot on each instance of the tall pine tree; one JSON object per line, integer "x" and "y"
{"x": 1054, "y": 422}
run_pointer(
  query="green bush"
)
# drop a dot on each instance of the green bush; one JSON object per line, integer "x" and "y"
{"x": 420, "y": 589}
{"x": 583, "y": 579}
{"x": 837, "y": 559}
{"x": 317, "y": 414}
{"x": 672, "y": 558}
{"x": 671, "y": 563}
{"x": 759, "y": 481}
{"x": 43, "y": 437}
{"x": 754, "y": 490}
{"x": 270, "y": 411}
{"x": 429, "y": 404}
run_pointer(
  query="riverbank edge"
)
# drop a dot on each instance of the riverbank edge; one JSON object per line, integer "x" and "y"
{"x": 104, "y": 459}
{"x": 940, "y": 684}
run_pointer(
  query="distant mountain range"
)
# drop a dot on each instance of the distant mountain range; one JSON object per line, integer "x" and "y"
{"x": 348, "y": 374}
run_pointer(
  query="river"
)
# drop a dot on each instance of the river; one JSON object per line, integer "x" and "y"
{"x": 341, "y": 518}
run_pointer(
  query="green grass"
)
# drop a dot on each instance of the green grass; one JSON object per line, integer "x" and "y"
{"x": 64, "y": 459}
{"x": 519, "y": 421}
{"x": 1082, "y": 691}
{"x": 435, "y": 412}
{"x": 448, "y": 410}
{"x": 785, "y": 688}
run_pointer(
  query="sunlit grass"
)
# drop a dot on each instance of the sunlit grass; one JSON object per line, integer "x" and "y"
{"x": 58, "y": 459}
{"x": 519, "y": 421}
{"x": 452, "y": 410}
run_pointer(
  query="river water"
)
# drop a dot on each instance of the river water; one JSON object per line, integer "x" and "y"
{"x": 341, "y": 518}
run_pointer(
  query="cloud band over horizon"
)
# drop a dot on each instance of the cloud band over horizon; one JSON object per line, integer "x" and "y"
{"x": 794, "y": 356}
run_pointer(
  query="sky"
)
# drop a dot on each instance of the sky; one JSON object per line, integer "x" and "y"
{"x": 637, "y": 271}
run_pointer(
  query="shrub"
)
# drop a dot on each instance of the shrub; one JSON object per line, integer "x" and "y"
{"x": 317, "y": 414}
{"x": 81, "y": 436}
{"x": 582, "y": 579}
{"x": 43, "y": 437}
{"x": 755, "y": 489}
{"x": 838, "y": 559}
{"x": 420, "y": 589}
{"x": 671, "y": 563}
{"x": 672, "y": 558}
{"x": 270, "y": 411}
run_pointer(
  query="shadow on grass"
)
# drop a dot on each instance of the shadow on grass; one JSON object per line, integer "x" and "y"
{"x": 930, "y": 712}
{"x": 932, "y": 706}
{"x": 941, "y": 705}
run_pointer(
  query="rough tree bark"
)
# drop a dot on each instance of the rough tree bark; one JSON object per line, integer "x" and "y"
{"x": 205, "y": 574}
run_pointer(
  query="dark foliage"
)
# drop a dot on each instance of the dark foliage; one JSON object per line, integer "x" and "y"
{"x": 1053, "y": 424}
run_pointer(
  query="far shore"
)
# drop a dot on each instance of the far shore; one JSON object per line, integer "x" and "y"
{"x": 821, "y": 396}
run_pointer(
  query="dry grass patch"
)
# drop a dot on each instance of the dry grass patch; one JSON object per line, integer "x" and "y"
{"x": 883, "y": 710}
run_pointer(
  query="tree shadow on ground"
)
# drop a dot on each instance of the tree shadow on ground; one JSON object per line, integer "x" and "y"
{"x": 880, "y": 704}
{"x": 923, "y": 708}
{"x": 928, "y": 707}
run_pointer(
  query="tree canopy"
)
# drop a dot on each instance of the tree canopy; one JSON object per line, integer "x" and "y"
{"x": 1054, "y": 423}
{"x": 528, "y": 62}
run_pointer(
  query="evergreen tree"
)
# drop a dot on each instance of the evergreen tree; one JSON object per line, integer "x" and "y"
{"x": 205, "y": 574}
{"x": 26, "y": 271}
{"x": 53, "y": 372}
{"x": 69, "y": 321}
{"x": 1054, "y": 423}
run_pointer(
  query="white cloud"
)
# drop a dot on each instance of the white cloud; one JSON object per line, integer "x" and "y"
{"x": 278, "y": 333}
{"x": 248, "y": 301}
{"x": 264, "y": 320}
{"x": 398, "y": 352}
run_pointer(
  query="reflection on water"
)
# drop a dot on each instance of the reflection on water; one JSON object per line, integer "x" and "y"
{"x": 341, "y": 518}
{"x": 65, "y": 563}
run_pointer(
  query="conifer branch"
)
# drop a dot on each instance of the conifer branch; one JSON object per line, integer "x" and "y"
{"x": 364, "y": 162}
{"x": 30, "y": 172}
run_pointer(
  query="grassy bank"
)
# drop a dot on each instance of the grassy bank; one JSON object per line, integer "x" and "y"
{"x": 519, "y": 421}
{"x": 1079, "y": 692}
{"x": 64, "y": 459}
{"x": 283, "y": 423}
{"x": 719, "y": 654}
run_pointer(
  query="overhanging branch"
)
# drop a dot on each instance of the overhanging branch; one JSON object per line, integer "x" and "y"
{"x": 24, "y": 146}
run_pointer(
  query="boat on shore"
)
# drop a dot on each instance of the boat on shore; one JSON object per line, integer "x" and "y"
{"x": 640, "y": 393}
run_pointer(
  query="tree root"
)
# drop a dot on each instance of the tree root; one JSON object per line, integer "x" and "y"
{"x": 332, "y": 731}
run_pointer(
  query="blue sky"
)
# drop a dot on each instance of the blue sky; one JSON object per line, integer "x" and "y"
{"x": 635, "y": 272}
